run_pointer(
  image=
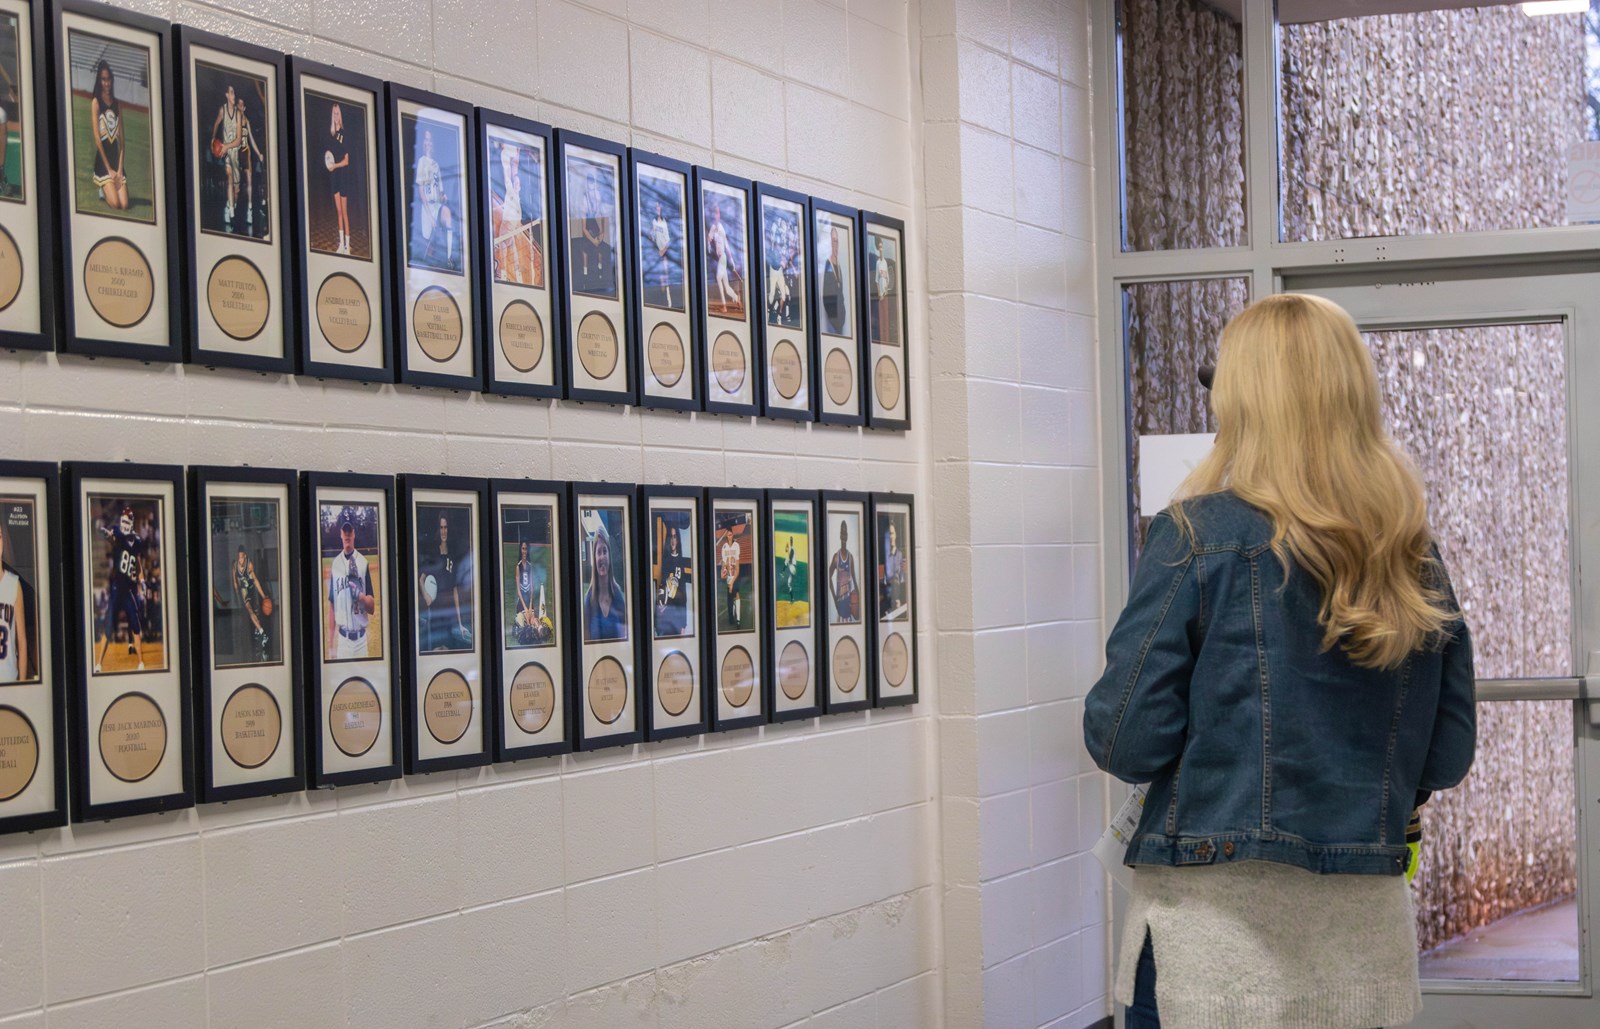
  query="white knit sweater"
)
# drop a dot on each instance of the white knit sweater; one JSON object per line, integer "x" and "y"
{"x": 1257, "y": 945}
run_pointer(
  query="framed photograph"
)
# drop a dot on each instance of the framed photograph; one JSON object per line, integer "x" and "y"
{"x": 447, "y": 722}
{"x": 793, "y": 603}
{"x": 119, "y": 236}
{"x": 519, "y": 309}
{"x": 736, "y": 649}
{"x": 662, "y": 229}
{"x": 847, "y": 603}
{"x": 672, "y": 540}
{"x": 837, "y": 325}
{"x": 27, "y": 225}
{"x": 341, "y": 268}
{"x": 33, "y": 744}
{"x": 247, "y": 622}
{"x": 600, "y": 354}
{"x": 353, "y": 692}
{"x": 782, "y": 243}
{"x": 895, "y": 600}
{"x": 231, "y": 98}
{"x": 725, "y": 293}
{"x": 533, "y": 622}
{"x": 132, "y": 731}
{"x": 602, "y": 669}
{"x": 434, "y": 167}
{"x": 883, "y": 270}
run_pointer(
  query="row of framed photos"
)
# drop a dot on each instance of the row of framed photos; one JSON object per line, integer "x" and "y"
{"x": 221, "y": 633}
{"x": 220, "y": 203}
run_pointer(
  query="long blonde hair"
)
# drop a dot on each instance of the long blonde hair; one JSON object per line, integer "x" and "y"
{"x": 1300, "y": 436}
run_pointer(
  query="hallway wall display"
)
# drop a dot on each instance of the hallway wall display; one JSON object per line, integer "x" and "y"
{"x": 846, "y": 654}
{"x": 672, "y": 547}
{"x": 592, "y": 201}
{"x": 883, "y": 270}
{"x": 117, "y": 182}
{"x": 667, "y": 262}
{"x": 836, "y": 331}
{"x": 27, "y": 226}
{"x": 783, "y": 239}
{"x": 725, "y": 294}
{"x": 793, "y": 604}
{"x": 231, "y": 170}
{"x": 603, "y": 674}
{"x": 895, "y": 608}
{"x": 737, "y": 649}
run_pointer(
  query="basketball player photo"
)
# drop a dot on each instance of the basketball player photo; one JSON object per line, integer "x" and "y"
{"x": 126, "y": 577}
{"x": 517, "y": 187}
{"x": 246, "y": 585}
{"x": 20, "y": 535}
{"x": 338, "y": 202}
{"x": 352, "y": 621}
{"x": 445, "y": 576}
{"x": 113, "y": 170}
{"x": 672, "y": 573}
{"x": 529, "y": 601}
{"x": 604, "y": 573}
{"x": 844, "y": 568}
{"x": 431, "y": 151}
{"x": 235, "y": 172}
{"x": 732, "y": 548}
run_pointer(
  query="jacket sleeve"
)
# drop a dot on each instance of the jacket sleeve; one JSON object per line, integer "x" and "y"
{"x": 1136, "y": 718}
{"x": 1455, "y": 724}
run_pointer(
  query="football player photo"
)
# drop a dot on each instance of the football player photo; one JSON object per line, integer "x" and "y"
{"x": 125, "y": 559}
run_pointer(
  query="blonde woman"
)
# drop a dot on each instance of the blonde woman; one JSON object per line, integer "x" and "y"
{"x": 1292, "y": 677}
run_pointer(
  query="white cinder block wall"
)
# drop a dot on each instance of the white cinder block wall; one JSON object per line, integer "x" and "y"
{"x": 898, "y": 870}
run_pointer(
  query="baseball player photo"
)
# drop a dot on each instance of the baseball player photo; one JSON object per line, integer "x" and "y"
{"x": 19, "y": 568}
{"x": 783, "y": 266}
{"x": 528, "y": 597}
{"x": 723, "y": 249}
{"x": 125, "y": 567}
{"x": 432, "y": 151}
{"x": 445, "y": 574}
{"x": 516, "y": 210}
{"x": 892, "y": 567}
{"x": 12, "y": 175}
{"x": 605, "y": 556}
{"x": 791, "y": 568}
{"x": 113, "y": 163}
{"x": 245, "y": 582}
{"x": 844, "y": 581}
{"x": 672, "y": 572}
{"x": 736, "y": 609}
{"x": 234, "y": 183}
{"x": 662, "y": 244}
{"x": 337, "y": 204}
{"x": 352, "y": 626}
{"x": 883, "y": 284}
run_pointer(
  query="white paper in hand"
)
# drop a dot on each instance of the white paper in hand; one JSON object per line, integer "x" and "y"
{"x": 1113, "y": 843}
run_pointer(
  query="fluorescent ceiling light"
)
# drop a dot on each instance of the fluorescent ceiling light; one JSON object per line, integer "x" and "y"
{"x": 1533, "y": 8}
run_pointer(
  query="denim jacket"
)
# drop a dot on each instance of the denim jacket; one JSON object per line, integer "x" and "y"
{"x": 1257, "y": 743}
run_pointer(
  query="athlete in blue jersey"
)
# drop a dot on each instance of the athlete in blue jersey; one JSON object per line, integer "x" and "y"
{"x": 122, "y": 585}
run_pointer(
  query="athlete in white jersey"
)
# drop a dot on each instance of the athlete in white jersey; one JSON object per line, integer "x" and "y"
{"x": 227, "y": 119}
{"x": 13, "y": 620}
{"x": 730, "y": 572}
{"x": 350, "y": 596}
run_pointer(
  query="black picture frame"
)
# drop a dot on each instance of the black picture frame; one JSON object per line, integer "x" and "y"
{"x": 584, "y": 687}
{"x": 788, "y": 709}
{"x": 481, "y": 714}
{"x": 659, "y": 722}
{"x": 882, "y": 356}
{"x": 200, "y": 269}
{"x": 165, "y": 237}
{"x": 572, "y": 322}
{"x": 288, "y": 696}
{"x": 322, "y": 275}
{"x": 39, "y": 189}
{"x": 500, "y": 491}
{"x": 507, "y": 380}
{"x": 743, "y": 331}
{"x": 834, "y": 699}
{"x": 884, "y": 692}
{"x": 413, "y": 370}
{"x": 386, "y": 763}
{"x": 824, "y": 343}
{"x": 175, "y": 764}
{"x": 757, "y": 635}
{"x": 52, "y": 670}
{"x": 768, "y": 338}
{"x": 650, "y": 319}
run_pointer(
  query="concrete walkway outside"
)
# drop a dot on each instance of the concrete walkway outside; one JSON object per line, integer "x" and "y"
{"x": 1540, "y": 944}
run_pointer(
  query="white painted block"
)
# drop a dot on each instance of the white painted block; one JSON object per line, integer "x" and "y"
{"x": 608, "y": 821}
{"x": 511, "y": 840}
{"x": 1039, "y": 196}
{"x": 583, "y": 59}
{"x": 410, "y": 974}
{"x": 630, "y": 1004}
{"x": 1055, "y": 820}
{"x": 1007, "y": 917}
{"x": 1003, "y": 752}
{"x": 744, "y": 32}
{"x": 984, "y": 86}
{"x": 611, "y": 929}
{"x": 1008, "y": 995}
{"x": 412, "y": 843}
{"x": 1164, "y": 462}
{"x": 1036, "y": 34}
{"x": 1036, "y": 108}
{"x": 270, "y": 887}
{"x": 685, "y": 19}
{"x": 815, "y": 51}
{"x": 879, "y": 66}
{"x": 1003, "y": 823}
{"x": 475, "y": 39}
{"x": 179, "y": 1003}
{"x": 300, "y": 990}
{"x": 747, "y": 111}
{"x": 515, "y": 956}
{"x": 22, "y": 957}
{"x": 671, "y": 83}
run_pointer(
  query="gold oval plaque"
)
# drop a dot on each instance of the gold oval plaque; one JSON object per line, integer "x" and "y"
{"x": 788, "y": 371}
{"x": 886, "y": 379}
{"x": 19, "y": 752}
{"x": 355, "y": 714}
{"x": 521, "y": 336}
{"x": 11, "y": 271}
{"x": 238, "y": 298}
{"x": 738, "y": 677}
{"x": 608, "y": 690}
{"x": 436, "y": 322}
{"x": 118, "y": 282}
{"x": 666, "y": 354}
{"x": 251, "y": 726}
{"x": 133, "y": 737}
{"x": 838, "y": 376}
{"x": 675, "y": 684}
{"x": 896, "y": 660}
{"x": 794, "y": 670}
{"x": 846, "y": 664}
{"x": 597, "y": 345}
{"x": 447, "y": 706}
{"x": 344, "y": 315}
{"x": 532, "y": 698}
{"x": 727, "y": 362}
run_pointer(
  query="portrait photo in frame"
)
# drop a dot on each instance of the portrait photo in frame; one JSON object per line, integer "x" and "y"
{"x": 250, "y": 738}
{"x": 353, "y": 714}
{"x": 736, "y": 649}
{"x": 783, "y": 245}
{"x": 671, "y": 614}
{"x": 793, "y": 602}
{"x": 605, "y": 638}
{"x": 33, "y": 721}
{"x": 726, "y": 293}
{"x": 847, "y": 602}
{"x": 132, "y": 715}
{"x": 27, "y": 209}
{"x": 836, "y": 322}
{"x": 434, "y": 170}
{"x": 230, "y": 96}
{"x": 448, "y": 725}
{"x": 340, "y": 271}
{"x": 529, "y": 574}
{"x": 665, "y": 260}
{"x": 601, "y": 353}
{"x": 894, "y": 549}
{"x": 883, "y": 275}
{"x": 118, "y": 248}
{"x": 517, "y": 195}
